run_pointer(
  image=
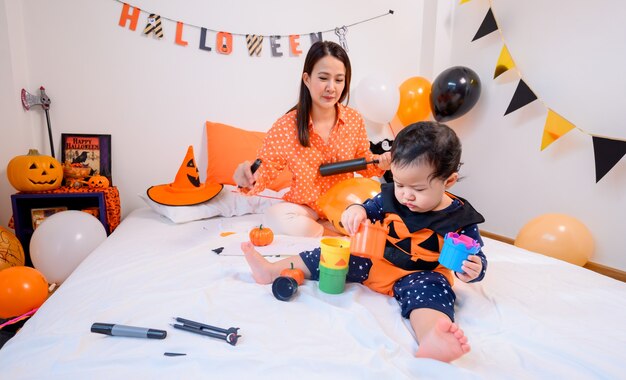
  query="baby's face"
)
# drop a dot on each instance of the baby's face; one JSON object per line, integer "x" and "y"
{"x": 415, "y": 190}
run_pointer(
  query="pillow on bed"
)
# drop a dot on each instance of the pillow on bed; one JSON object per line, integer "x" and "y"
{"x": 229, "y": 202}
{"x": 227, "y": 147}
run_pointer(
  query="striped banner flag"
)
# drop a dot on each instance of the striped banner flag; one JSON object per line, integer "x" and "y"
{"x": 154, "y": 26}
{"x": 254, "y": 44}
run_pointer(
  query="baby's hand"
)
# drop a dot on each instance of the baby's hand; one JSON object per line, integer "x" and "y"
{"x": 471, "y": 268}
{"x": 352, "y": 217}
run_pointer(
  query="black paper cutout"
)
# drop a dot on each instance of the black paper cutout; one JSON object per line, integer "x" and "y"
{"x": 489, "y": 25}
{"x": 607, "y": 153}
{"x": 523, "y": 95}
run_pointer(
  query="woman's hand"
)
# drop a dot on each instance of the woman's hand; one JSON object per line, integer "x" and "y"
{"x": 243, "y": 176}
{"x": 384, "y": 160}
{"x": 352, "y": 217}
{"x": 471, "y": 268}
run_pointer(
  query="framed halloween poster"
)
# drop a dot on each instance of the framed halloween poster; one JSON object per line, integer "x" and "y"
{"x": 81, "y": 151}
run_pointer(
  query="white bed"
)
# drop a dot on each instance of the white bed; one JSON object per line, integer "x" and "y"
{"x": 532, "y": 317}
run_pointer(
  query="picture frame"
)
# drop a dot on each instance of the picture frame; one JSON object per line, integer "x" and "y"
{"x": 38, "y": 215}
{"x": 87, "y": 150}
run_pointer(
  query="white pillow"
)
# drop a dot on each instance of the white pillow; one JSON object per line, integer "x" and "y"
{"x": 229, "y": 202}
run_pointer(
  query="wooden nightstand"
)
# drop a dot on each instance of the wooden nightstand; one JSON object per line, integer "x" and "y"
{"x": 105, "y": 203}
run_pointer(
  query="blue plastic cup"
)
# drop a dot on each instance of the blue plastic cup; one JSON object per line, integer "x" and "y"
{"x": 456, "y": 249}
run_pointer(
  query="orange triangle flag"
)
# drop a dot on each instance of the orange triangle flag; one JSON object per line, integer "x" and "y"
{"x": 505, "y": 62}
{"x": 556, "y": 126}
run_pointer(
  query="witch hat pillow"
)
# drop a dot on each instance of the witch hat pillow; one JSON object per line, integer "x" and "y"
{"x": 186, "y": 190}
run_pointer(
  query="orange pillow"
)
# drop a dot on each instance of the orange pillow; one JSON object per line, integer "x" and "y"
{"x": 227, "y": 147}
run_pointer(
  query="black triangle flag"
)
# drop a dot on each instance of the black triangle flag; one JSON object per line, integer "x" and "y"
{"x": 523, "y": 95}
{"x": 607, "y": 153}
{"x": 489, "y": 25}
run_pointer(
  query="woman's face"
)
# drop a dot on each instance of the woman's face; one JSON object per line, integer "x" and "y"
{"x": 326, "y": 82}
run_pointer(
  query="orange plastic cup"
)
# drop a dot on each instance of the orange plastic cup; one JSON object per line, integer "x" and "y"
{"x": 369, "y": 241}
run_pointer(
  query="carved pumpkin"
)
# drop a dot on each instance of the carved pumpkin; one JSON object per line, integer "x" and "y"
{"x": 98, "y": 181}
{"x": 261, "y": 236}
{"x": 11, "y": 251}
{"x": 34, "y": 172}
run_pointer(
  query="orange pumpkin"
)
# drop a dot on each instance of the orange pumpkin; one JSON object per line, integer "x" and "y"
{"x": 261, "y": 236}
{"x": 99, "y": 181}
{"x": 295, "y": 273}
{"x": 34, "y": 172}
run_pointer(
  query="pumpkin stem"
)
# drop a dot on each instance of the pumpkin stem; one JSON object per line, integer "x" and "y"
{"x": 33, "y": 152}
{"x": 291, "y": 264}
{"x": 260, "y": 226}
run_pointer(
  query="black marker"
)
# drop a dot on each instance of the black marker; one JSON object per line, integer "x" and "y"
{"x": 130, "y": 331}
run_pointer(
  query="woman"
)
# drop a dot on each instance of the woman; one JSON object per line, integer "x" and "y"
{"x": 318, "y": 130}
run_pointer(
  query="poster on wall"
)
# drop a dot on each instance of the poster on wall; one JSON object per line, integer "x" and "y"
{"x": 87, "y": 151}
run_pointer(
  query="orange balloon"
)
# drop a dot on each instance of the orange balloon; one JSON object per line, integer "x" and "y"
{"x": 21, "y": 290}
{"x": 345, "y": 193}
{"x": 11, "y": 251}
{"x": 414, "y": 100}
{"x": 557, "y": 235}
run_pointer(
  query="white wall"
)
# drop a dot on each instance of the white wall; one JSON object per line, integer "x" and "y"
{"x": 571, "y": 54}
{"x": 154, "y": 96}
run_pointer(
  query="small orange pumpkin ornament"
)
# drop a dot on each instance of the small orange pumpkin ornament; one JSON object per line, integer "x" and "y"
{"x": 34, "y": 172}
{"x": 261, "y": 236}
{"x": 98, "y": 181}
{"x": 295, "y": 273}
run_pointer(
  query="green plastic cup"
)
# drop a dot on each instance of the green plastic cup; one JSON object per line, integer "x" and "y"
{"x": 332, "y": 281}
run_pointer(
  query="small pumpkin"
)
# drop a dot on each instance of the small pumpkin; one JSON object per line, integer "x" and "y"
{"x": 261, "y": 236}
{"x": 295, "y": 273}
{"x": 99, "y": 181}
{"x": 35, "y": 172}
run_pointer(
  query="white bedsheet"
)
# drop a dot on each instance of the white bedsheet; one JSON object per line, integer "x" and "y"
{"x": 532, "y": 317}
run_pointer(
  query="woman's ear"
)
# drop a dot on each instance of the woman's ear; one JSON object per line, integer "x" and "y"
{"x": 448, "y": 183}
{"x": 306, "y": 79}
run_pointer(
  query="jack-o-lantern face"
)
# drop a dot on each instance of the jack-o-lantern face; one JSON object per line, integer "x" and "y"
{"x": 192, "y": 174}
{"x": 99, "y": 181}
{"x": 34, "y": 172}
{"x": 188, "y": 175}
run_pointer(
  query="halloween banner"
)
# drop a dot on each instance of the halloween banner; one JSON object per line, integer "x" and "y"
{"x": 607, "y": 151}
{"x": 222, "y": 41}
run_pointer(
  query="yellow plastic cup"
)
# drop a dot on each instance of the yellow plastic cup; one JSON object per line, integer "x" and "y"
{"x": 335, "y": 253}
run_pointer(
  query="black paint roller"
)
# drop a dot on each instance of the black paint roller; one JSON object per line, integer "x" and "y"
{"x": 345, "y": 166}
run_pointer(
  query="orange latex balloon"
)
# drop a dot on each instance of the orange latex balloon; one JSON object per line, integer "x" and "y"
{"x": 557, "y": 235}
{"x": 345, "y": 193}
{"x": 414, "y": 100}
{"x": 11, "y": 251}
{"x": 21, "y": 290}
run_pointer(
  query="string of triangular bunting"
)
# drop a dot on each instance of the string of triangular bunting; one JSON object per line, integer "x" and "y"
{"x": 224, "y": 40}
{"x": 607, "y": 151}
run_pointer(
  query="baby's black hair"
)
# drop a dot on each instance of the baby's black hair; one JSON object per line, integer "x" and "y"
{"x": 428, "y": 142}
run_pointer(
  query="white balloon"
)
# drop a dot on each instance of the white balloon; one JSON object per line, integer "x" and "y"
{"x": 63, "y": 241}
{"x": 377, "y": 98}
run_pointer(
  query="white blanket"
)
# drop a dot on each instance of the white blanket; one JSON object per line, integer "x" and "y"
{"x": 531, "y": 317}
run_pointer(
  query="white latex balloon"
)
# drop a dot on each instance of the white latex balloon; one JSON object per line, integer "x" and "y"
{"x": 63, "y": 241}
{"x": 377, "y": 98}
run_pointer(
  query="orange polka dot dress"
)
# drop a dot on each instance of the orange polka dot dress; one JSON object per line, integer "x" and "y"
{"x": 281, "y": 149}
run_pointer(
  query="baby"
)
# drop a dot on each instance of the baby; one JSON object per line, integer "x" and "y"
{"x": 418, "y": 211}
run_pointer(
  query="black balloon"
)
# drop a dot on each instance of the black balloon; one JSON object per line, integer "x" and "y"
{"x": 454, "y": 92}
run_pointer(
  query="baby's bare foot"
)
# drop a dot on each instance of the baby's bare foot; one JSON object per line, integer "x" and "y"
{"x": 446, "y": 342}
{"x": 261, "y": 268}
